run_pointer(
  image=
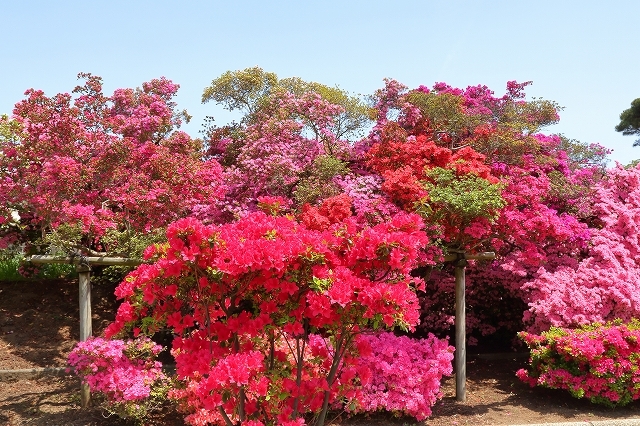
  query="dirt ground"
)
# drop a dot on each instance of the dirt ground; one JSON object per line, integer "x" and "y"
{"x": 39, "y": 326}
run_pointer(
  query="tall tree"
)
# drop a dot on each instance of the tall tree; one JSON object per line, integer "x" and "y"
{"x": 253, "y": 90}
{"x": 102, "y": 165}
{"x": 630, "y": 121}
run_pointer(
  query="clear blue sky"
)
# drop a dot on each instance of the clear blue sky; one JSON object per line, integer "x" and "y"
{"x": 585, "y": 55}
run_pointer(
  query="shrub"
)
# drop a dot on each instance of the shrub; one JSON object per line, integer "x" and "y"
{"x": 405, "y": 373}
{"x": 599, "y": 362}
{"x": 123, "y": 373}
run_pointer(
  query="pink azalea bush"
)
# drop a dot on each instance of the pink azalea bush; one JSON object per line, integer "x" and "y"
{"x": 124, "y": 373}
{"x": 599, "y": 362}
{"x": 605, "y": 284}
{"x": 405, "y": 374}
{"x": 103, "y": 165}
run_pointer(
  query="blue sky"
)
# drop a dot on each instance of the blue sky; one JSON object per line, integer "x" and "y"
{"x": 585, "y": 55}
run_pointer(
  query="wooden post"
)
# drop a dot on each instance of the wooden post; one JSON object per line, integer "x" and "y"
{"x": 461, "y": 333}
{"x": 84, "y": 289}
{"x": 460, "y": 259}
{"x": 86, "y": 328}
{"x": 84, "y": 293}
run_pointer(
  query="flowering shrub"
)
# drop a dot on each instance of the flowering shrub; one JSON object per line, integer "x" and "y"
{"x": 280, "y": 255}
{"x": 599, "y": 362}
{"x": 604, "y": 285}
{"x": 405, "y": 373}
{"x": 101, "y": 164}
{"x": 245, "y": 299}
{"x": 477, "y": 170}
{"x": 123, "y": 372}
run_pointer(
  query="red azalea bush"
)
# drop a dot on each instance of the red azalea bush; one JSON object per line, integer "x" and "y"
{"x": 245, "y": 298}
{"x": 599, "y": 362}
{"x": 542, "y": 220}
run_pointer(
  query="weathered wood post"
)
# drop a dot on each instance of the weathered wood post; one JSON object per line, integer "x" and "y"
{"x": 460, "y": 262}
{"x": 461, "y": 332}
{"x": 86, "y": 326}
{"x": 83, "y": 267}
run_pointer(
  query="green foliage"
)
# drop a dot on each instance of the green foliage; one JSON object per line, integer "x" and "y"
{"x": 528, "y": 117}
{"x": 9, "y": 129}
{"x": 109, "y": 276}
{"x": 465, "y": 197}
{"x": 512, "y": 123}
{"x": 9, "y": 136}
{"x": 57, "y": 270}
{"x": 14, "y": 267}
{"x": 356, "y": 116}
{"x": 131, "y": 244}
{"x": 633, "y": 164}
{"x": 630, "y": 121}
{"x": 69, "y": 239}
{"x": 445, "y": 113}
{"x": 9, "y": 264}
{"x": 583, "y": 154}
{"x": 64, "y": 240}
{"x": 318, "y": 184}
{"x": 252, "y": 90}
{"x": 244, "y": 90}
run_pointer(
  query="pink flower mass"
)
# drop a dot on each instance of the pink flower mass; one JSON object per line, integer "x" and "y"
{"x": 596, "y": 361}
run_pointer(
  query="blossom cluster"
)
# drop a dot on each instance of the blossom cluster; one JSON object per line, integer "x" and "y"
{"x": 602, "y": 286}
{"x": 405, "y": 373}
{"x": 123, "y": 372}
{"x": 244, "y": 299}
{"x": 599, "y": 362}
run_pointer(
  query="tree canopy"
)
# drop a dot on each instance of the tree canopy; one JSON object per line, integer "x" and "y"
{"x": 630, "y": 121}
{"x": 254, "y": 90}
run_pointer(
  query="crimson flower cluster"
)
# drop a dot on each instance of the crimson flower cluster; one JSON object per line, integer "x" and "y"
{"x": 245, "y": 297}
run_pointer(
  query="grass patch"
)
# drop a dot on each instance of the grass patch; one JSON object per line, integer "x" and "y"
{"x": 14, "y": 267}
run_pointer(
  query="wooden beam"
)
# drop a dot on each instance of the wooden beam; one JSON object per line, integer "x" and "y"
{"x": 91, "y": 260}
{"x": 487, "y": 255}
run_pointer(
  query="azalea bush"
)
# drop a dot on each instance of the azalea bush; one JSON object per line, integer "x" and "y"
{"x": 602, "y": 285}
{"x": 482, "y": 175}
{"x": 598, "y": 361}
{"x": 277, "y": 242}
{"x": 124, "y": 374}
{"x": 405, "y": 374}
{"x": 90, "y": 171}
{"x": 245, "y": 298}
